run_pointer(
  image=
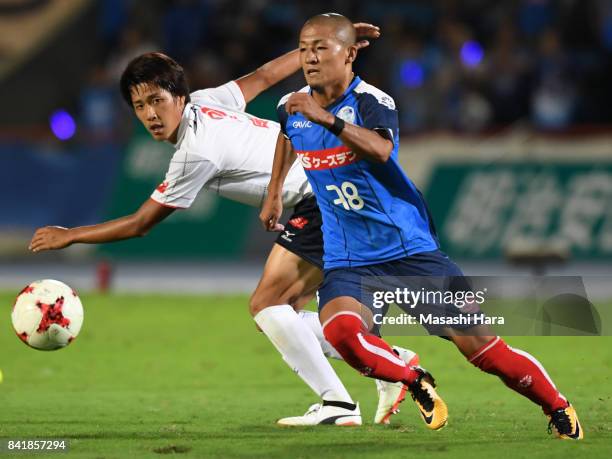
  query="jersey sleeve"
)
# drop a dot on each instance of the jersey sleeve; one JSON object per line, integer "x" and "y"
{"x": 229, "y": 95}
{"x": 378, "y": 113}
{"x": 282, "y": 114}
{"x": 186, "y": 176}
{"x": 282, "y": 118}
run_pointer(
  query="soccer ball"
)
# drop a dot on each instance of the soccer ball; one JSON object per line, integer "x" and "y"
{"x": 47, "y": 315}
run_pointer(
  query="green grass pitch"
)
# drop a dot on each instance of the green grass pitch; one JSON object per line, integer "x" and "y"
{"x": 189, "y": 375}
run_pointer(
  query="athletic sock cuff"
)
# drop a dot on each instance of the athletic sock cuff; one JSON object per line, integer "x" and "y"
{"x": 494, "y": 343}
{"x": 265, "y": 312}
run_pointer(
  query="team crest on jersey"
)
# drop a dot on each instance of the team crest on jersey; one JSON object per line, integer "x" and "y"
{"x": 387, "y": 102}
{"x": 346, "y": 114}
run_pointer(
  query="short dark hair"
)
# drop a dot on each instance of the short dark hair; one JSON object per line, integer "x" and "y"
{"x": 345, "y": 31}
{"x": 154, "y": 69}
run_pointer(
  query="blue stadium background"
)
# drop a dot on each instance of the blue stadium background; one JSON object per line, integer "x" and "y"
{"x": 505, "y": 110}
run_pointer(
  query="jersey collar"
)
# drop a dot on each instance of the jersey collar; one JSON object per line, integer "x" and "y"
{"x": 349, "y": 89}
{"x": 184, "y": 124}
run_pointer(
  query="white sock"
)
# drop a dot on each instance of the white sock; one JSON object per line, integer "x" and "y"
{"x": 312, "y": 320}
{"x": 301, "y": 350}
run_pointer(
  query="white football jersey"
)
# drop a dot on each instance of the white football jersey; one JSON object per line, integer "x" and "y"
{"x": 222, "y": 148}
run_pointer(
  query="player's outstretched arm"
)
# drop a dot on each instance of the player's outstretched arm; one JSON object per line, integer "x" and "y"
{"x": 134, "y": 225}
{"x": 363, "y": 142}
{"x": 272, "y": 208}
{"x": 280, "y": 68}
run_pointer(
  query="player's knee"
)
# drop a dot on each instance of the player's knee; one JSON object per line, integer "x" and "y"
{"x": 273, "y": 291}
{"x": 256, "y": 305}
{"x": 263, "y": 298}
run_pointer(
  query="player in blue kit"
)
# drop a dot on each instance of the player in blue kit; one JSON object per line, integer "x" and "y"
{"x": 376, "y": 223}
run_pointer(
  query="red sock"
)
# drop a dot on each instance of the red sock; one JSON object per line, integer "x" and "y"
{"x": 521, "y": 372}
{"x": 365, "y": 352}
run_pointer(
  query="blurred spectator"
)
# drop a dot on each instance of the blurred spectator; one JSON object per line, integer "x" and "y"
{"x": 185, "y": 25}
{"x": 605, "y": 25}
{"x": 535, "y": 16}
{"x": 508, "y": 75}
{"x": 112, "y": 18}
{"x": 414, "y": 70}
{"x": 450, "y": 64}
{"x": 553, "y": 96}
{"x": 99, "y": 106}
{"x": 206, "y": 69}
{"x": 132, "y": 43}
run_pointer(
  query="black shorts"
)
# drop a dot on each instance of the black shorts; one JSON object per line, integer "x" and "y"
{"x": 303, "y": 235}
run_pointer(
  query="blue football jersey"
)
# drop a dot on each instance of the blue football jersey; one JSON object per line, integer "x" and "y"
{"x": 372, "y": 212}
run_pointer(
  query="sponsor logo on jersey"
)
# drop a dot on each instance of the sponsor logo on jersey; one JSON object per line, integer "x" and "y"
{"x": 214, "y": 113}
{"x": 302, "y": 124}
{"x": 162, "y": 187}
{"x": 298, "y": 222}
{"x": 346, "y": 114}
{"x": 328, "y": 158}
{"x": 217, "y": 114}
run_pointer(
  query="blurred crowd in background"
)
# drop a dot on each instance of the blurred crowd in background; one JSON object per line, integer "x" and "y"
{"x": 511, "y": 72}
{"x": 464, "y": 65}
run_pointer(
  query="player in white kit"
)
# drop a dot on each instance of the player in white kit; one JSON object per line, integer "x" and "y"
{"x": 221, "y": 148}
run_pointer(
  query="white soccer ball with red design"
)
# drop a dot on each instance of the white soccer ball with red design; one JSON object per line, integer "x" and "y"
{"x": 47, "y": 315}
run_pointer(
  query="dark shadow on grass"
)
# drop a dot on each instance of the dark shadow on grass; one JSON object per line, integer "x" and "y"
{"x": 172, "y": 449}
{"x": 97, "y": 423}
{"x": 404, "y": 447}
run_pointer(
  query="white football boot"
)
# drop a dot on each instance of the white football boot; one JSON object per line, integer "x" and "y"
{"x": 319, "y": 414}
{"x": 390, "y": 395}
